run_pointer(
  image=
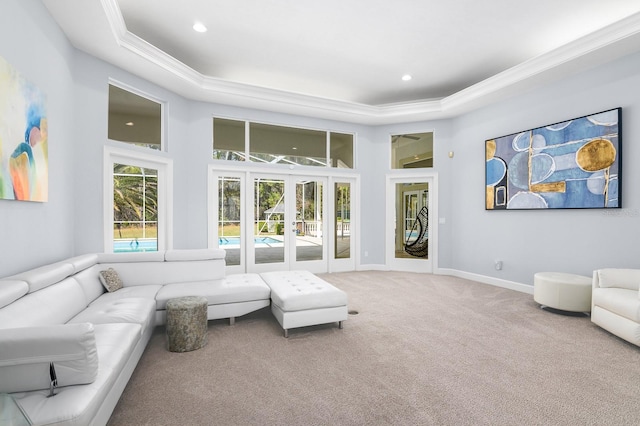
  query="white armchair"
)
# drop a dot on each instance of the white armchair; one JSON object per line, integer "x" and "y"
{"x": 615, "y": 302}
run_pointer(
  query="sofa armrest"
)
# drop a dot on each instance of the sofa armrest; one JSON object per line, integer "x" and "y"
{"x": 26, "y": 355}
{"x": 617, "y": 278}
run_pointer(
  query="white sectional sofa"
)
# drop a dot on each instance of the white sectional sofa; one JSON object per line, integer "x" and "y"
{"x": 61, "y": 314}
{"x": 615, "y": 302}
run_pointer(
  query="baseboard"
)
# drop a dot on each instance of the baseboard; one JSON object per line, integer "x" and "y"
{"x": 512, "y": 285}
{"x": 372, "y": 267}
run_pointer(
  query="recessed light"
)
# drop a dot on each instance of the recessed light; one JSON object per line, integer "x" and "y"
{"x": 295, "y": 147}
{"x": 406, "y": 77}
{"x": 199, "y": 27}
{"x": 129, "y": 123}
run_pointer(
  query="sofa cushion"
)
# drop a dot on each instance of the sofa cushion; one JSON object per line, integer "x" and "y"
{"x": 134, "y": 257}
{"x": 195, "y": 254}
{"x": 25, "y": 355}
{"x": 110, "y": 280}
{"x": 46, "y": 275}
{"x": 12, "y": 290}
{"x": 135, "y": 310}
{"x": 55, "y": 304}
{"x": 233, "y": 289}
{"x": 82, "y": 262}
{"x": 143, "y": 291}
{"x": 151, "y": 273}
{"x": 115, "y": 344}
{"x": 620, "y": 278}
{"x": 621, "y": 301}
{"x": 90, "y": 283}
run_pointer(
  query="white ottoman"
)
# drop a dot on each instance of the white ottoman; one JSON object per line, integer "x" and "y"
{"x": 300, "y": 299}
{"x": 567, "y": 292}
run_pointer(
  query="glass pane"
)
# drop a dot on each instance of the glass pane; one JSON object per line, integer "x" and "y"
{"x": 341, "y": 146}
{"x": 287, "y": 145}
{"x": 309, "y": 223}
{"x": 229, "y": 224}
{"x": 134, "y": 119}
{"x": 135, "y": 208}
{"x": 269, "y": 220}
{"x": 412, "y": 220}
{"x": 228, "y": 139}
{"x": 412, "y": 151}
{"x": 343, "y": 221}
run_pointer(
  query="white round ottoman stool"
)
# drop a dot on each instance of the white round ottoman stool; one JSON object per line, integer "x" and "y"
{"x": 558, "y": 290}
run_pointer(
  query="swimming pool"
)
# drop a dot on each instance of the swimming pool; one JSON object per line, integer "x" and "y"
{"x": 234, "y": 241}
{"x": 120, "y": 246}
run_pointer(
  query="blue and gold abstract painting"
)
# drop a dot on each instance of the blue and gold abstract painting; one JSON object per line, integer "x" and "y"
{"x": 575, "y": 164}
{"x": 24, "y": 154}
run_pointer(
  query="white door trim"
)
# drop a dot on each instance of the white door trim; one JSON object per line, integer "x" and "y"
{"x": 411, "y": 265}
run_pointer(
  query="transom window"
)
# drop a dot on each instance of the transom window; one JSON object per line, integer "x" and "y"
{"x": 265, "y": 143}
{"x": 412, "y": 151}
{"x": 134, "y": 119}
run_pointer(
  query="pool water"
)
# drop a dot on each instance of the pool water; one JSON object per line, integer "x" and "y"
{"x": 122, "y": 246}
{"x": 227, "y": 241}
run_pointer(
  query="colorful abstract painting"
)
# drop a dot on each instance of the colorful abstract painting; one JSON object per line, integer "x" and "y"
{"x": 24, "y": 155}
{"x": 575, "y": 164}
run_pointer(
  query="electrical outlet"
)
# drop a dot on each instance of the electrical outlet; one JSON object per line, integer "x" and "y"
{"x": 366, "y": 254}
{"x": 498, "y": 265}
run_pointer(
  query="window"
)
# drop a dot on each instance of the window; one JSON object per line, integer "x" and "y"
{"x": 134, "y": 119}
{"x": 138, "y": 195}
{"x": 342, "y": 203}
{"x": 230, "y": 218}
{"x": 228, "y": 139}
{"x": 271, "y": 144}
{"x": 135, "y": 208}
{"x": 341, "y": 150}
{"x": 411, "y": 151}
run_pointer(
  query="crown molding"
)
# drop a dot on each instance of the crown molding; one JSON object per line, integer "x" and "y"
{"x": 566, "y": 54}
{"x": 211, "y": 89}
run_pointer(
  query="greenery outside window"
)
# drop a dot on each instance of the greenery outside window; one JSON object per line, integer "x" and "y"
{"x": 137, "y": 196}
{"x": 135, "y": 208}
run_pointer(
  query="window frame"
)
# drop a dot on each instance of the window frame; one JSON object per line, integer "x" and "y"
{"x": 164, "y": 166}
{"x": 247, "y": 146}
{"x": 149, "y": 97}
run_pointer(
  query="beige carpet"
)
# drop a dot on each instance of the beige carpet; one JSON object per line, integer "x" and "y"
{"x": 423, "y": 350}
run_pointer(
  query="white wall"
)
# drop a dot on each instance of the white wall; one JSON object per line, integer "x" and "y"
{"x": 37, "y": 233}
{"x": 576, "y": 241}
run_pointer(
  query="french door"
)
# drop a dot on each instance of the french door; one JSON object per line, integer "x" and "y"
{"x": 269, "y": 222}
{"x": 288, "y": 223}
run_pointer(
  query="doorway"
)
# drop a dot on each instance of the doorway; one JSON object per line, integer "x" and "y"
{"x": 266, "y": 221}
{"x": 288, "y": 223}
{"x": 411, "y": 212}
